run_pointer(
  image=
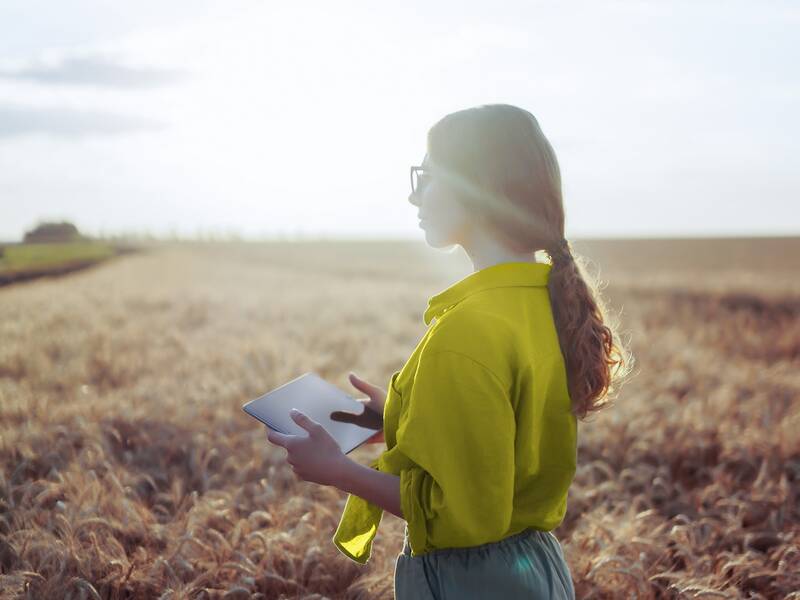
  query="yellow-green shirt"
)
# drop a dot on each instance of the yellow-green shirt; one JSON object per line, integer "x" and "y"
{"x": 477, "y": 423}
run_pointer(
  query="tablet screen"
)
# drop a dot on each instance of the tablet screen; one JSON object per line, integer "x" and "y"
{"x": 312, "y": 395}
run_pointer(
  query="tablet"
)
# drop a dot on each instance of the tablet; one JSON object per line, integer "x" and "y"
{"x": 313, "y": 396}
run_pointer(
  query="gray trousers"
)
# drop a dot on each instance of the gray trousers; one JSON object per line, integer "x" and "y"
{"x": 529, "y": 565}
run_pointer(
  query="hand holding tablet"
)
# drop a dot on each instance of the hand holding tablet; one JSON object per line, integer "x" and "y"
{"x": 372, "y": 417}
{"x": 350, "y": 422}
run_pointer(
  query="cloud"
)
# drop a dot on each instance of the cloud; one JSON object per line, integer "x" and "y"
{"x": 69, "y": 123}
{"x": 95, "y": 71}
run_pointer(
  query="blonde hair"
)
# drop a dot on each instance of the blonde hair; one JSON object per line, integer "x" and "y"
{"x": 497, "y": 156}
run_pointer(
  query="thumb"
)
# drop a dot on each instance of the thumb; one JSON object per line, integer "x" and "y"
{"x": 306, "y": 422}
{"x": 362, "y": 385}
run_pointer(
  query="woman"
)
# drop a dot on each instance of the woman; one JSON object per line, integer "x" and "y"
{"x": 480, "y": 423}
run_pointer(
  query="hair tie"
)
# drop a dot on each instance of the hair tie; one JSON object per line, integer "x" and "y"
{"x": 560, "y": 249}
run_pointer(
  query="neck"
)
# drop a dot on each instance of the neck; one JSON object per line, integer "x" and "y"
{"x": 484, "y": 250}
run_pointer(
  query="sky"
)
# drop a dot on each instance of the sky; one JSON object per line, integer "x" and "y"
{"x": 264, "y": 119}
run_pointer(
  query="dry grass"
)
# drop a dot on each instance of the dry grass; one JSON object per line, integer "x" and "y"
{"x": 128, "y": 470}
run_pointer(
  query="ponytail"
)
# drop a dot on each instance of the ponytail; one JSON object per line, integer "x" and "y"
{"x": 593, "y": 359}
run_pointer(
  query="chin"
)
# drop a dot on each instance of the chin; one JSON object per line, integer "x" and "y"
{"x": 436, "y": 240}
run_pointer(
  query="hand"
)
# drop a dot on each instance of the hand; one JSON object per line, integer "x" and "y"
{"x": 372, "y": 415}
{"x": 315, "y": 457}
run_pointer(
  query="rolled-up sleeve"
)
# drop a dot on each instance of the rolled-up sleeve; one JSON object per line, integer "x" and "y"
{"x": 361, "y": 518}
{"x": 455, "y": 445}
{"x": 358, "y": 526}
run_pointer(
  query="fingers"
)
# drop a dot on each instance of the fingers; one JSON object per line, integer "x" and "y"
{"x": 362, "y": 385}
{"x": 306, "y": 422}
{"x": 285, "y": 440}
{"x": 279, "y": 439}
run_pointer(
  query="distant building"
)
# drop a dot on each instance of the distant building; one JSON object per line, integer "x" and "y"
{"x": 53, "y": 232}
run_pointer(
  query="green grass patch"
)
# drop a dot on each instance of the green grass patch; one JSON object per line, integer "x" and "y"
{"x": 36, "y": 257}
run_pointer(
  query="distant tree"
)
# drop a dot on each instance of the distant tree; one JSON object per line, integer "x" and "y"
{"x": 53, "y": 232}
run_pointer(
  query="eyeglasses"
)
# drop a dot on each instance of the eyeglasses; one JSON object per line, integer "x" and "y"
{"x": 419, "y": 178}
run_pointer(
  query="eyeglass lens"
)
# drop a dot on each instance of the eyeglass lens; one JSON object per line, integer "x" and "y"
{"x": 418, "y": 179}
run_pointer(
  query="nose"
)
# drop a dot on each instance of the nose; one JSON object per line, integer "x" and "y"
{"x": 413, "y": 199}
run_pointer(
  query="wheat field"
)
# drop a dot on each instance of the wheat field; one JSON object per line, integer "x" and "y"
{"x": 128, "y": 469}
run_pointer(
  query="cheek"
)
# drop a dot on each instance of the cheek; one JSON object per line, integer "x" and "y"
{"x": 442, "y": 208}
{"x": 446, "y": 225}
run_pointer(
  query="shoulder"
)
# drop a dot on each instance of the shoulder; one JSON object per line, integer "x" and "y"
{"x": 475, "y": 336}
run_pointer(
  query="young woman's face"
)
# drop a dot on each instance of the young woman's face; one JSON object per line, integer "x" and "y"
{"x": 443, "y": 218}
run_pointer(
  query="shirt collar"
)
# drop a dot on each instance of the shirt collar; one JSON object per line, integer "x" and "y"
{"x": 507, "y": 274}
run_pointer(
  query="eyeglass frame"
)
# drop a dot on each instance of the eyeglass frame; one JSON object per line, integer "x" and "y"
{"x": 418, "y": 169}
{"x": 428, "y": 173}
